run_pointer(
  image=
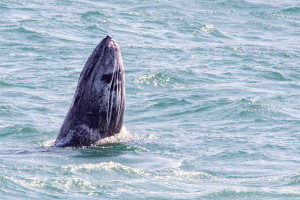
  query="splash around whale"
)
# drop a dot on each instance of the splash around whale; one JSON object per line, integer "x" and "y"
{"x": 98, "y": 105}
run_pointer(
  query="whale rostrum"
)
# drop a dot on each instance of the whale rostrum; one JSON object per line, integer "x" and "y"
{"x": 98, "y": 105}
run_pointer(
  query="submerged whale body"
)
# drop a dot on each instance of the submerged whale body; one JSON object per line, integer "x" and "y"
{"x": 98, "y": 105}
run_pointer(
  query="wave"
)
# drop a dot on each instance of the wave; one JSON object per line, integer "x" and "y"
{"x": 93, "y": 17}
{"x": 276, "y": 76}
{"x": 45, "y": 187}
{"x": 209, "y": 29}
{"x": 259, "y": 107}
{"x": 292, "y": 10}
{"x": 294, "y": 179}
{"x": 18, "y": 130}
{"x": 106, "y": 166}
{"x": 167, "y": 102}
{"x": 115, "y": 167}
{"x": 243, "y": 192}
{"x": 5, "y": 84}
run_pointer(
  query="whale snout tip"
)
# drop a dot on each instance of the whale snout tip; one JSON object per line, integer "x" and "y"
{"x": 108, "y": 37}
{"x": 109, "y": 40}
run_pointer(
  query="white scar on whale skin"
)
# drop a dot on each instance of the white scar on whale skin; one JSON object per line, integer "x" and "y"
{"x": 97, "y": 109}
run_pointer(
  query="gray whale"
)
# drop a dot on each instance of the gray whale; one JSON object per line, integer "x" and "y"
{"x": 98, "y": 105}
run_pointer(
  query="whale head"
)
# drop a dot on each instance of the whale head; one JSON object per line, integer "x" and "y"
{"x": 98, "y": 105}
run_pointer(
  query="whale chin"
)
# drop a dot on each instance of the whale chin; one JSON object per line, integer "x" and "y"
{"x": 98, "y": 105}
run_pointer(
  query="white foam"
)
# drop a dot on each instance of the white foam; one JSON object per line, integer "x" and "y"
{"x": 47, "y": 143}
{"x": 79, "y": 183}
{"x": 189, "y": 174}
{"x": 107, "y": 166}
{"x": 207, "y": 28}
{"x": 155, "y": 79}
{"x": 123, "y": 136}
{"x": 152, "y": 137}
{"x": 29, "y": 182}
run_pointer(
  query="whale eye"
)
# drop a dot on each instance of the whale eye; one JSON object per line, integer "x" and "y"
{"x": 107, "y": 78}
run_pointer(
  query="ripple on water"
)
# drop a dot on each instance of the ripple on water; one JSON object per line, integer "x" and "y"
{"x": 209, "y": 29}
{"x": 292, "y": 10}
{"x": 93, "y": 17}
{"x": 294, "y": 180}
{"x": 273, "y": 75}
{"x": 5, "y": 84}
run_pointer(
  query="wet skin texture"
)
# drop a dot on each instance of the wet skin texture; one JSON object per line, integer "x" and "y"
{"x": 98, "y": 105}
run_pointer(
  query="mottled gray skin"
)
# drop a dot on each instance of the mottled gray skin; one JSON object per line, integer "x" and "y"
{"x": 98, "y": 105}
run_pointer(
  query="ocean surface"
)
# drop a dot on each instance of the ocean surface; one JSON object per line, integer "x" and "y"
{"x": 212, "y": 105}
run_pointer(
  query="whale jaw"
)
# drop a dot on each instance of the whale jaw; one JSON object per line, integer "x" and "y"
{"x": 98, "y": 105}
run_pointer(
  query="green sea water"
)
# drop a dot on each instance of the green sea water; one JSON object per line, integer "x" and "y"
{"x": 212, "y": 103}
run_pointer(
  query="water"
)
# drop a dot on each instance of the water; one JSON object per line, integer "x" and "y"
{"x": 212, "y": 105}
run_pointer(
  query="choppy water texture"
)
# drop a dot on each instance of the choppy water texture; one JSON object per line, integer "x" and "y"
{"x": 213, "y": 91}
